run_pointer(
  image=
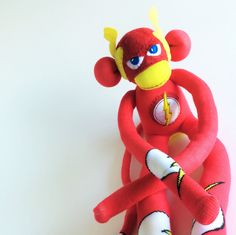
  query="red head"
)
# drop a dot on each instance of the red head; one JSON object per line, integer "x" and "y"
{"x": 142, "y": 56}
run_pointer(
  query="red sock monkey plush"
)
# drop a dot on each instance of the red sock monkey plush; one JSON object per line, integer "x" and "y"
{"x": 143, "y": 57}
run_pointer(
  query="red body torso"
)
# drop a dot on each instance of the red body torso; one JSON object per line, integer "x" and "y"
{"x": 152, "y": 115}
{"x": 147, "y": 102}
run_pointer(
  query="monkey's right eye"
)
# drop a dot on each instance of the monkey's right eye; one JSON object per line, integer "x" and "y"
{"x": 135, "y": 62}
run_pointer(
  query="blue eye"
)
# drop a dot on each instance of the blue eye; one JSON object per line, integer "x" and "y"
{"x": 135, "y": 62}
{"x": 154, "y": 50}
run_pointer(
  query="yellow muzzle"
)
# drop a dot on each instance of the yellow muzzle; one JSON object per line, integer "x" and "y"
{"x": 154, "y": 76}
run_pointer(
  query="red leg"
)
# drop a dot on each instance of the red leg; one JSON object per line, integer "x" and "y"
{"x": 203, "y": 206}
{"x": 191, "y": 193}
{"x": 216, "y": 180}
{"x": 153, "y": 215}
{"x": 125, "y": 197}
{"x": 130, "y": 221}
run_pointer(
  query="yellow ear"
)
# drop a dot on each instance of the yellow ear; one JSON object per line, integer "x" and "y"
{"x": 110, "y": 34}
{"x": 119, "y": 62}
{"x": 153, "y": 17}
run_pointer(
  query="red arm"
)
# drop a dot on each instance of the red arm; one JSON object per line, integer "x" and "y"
{"x": 202, "y": 143}
{"x": 134, "y": 143}
{"x": 195, "y": 154}
{"x": 126, "y": 163}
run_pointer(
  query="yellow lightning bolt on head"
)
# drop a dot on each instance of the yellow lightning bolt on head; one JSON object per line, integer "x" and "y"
{"x": 166, "y": 109}
{"x": 153, "y": 17}
{"x": 110, "y": 34}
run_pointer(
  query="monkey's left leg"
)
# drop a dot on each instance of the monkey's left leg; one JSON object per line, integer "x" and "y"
{"x": 130, "y": 221}
{"x": 154, "y": 215}
{"x": 215, "y": 180}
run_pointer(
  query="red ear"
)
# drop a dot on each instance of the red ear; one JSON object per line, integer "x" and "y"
{"x": 106, "y": 72}
{"x": 180, "y": 44}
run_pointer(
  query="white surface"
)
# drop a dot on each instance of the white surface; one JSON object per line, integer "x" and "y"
{"x": 60, "y": 151}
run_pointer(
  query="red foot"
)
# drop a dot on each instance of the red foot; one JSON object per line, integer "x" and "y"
{"x": 207, "y": 210}
{"x": 100, "y": 214}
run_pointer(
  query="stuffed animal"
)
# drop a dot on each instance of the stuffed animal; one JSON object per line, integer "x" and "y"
{"x": 143, "y": 57}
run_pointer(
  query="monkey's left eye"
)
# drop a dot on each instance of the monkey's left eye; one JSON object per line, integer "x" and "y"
{"x": 154, "y": 50}
{"x": 135, "y": 62}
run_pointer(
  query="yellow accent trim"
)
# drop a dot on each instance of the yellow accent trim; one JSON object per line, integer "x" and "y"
{"x": 179, "y": 179}
{"x": 119, "y": 61}
{"x": 154, "y": 76}
{"x": 210, "y": 186}
{"x": 153, "y": 17}
{"x": 166, "y": 109}
{"x": 168, "y": 232}
{"x": 174, "y": 164}
{"x": 110, "y": 34}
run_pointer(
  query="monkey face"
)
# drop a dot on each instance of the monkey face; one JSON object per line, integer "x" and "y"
{"x": 145, "y": 60}
{"x": 142, "y": 56}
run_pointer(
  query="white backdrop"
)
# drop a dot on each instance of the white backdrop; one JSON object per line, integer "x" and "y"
{"x": 60, "y": 151}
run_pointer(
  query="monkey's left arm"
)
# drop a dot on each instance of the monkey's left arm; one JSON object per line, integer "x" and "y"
{"x": 202, "y": 143}
{"x": 189, "y": 159}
